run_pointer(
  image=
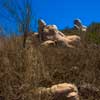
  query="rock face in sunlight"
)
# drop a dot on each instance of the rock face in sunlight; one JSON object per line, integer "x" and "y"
{"x": 79, "y": 26}
{"x": 49, "y": 34}
{"x": 48, "y": 43}
{"x": 65, "y": 90}
{"x": 70, "y": 41}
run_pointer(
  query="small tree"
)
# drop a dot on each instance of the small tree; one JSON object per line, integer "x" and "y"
{"x": 21, "y": 12}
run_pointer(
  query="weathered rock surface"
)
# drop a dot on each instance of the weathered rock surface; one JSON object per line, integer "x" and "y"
{"x": 59, "y": 91}
{"x": 51, "y": 33}
{"x": 48, "y": 43}
{"x": 79, "y": 26}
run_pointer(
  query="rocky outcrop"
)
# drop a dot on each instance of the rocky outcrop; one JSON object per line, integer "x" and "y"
{"x": 79, "y": 26}
{"x": 50, "y": 34}
{"x": 48, "y": 43}
{"x": 65, "y": 90}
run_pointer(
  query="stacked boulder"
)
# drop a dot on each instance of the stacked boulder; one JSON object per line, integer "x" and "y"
{"x": 50, "y": 35}
{"x": 79, "y": 26}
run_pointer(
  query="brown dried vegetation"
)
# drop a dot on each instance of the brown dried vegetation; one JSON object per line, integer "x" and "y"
{"x": 22, "y": 69}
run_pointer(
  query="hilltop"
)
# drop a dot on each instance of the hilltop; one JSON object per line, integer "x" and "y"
{"x": 22, "y": 69}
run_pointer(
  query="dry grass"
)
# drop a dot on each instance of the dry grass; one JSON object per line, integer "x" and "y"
{"x": 24, "y": 69}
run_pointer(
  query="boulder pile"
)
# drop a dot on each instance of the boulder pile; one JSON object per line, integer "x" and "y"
{"x": 50, "y": 35}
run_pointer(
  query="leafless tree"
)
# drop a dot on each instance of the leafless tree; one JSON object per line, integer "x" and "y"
{"x": 21, "y": 12}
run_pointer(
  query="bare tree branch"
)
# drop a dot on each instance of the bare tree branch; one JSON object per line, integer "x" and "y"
{"x": 22, "y": 13}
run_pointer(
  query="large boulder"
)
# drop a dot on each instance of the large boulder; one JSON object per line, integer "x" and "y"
{"x": 63, "y": 91}
{"x": 50, "y": 32}
{"x": 79, "y": 26}
{"x": 48, "y": 43}
{"x": 71, "y": 41}
{"x": 46, "y": 32}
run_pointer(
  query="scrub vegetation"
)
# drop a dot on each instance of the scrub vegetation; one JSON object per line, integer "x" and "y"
{"x": 22, "y": 69}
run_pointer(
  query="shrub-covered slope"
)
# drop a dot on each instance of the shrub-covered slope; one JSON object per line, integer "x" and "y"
{"x": 22, "y": 69}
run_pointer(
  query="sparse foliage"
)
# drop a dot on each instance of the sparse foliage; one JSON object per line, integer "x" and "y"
{"x": 21, "y": 13}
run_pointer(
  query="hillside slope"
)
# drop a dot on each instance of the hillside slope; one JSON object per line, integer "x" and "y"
{"x": 22, "y": 69}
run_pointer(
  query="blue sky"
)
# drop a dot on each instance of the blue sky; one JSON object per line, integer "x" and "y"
{"x": 63, "y": 12}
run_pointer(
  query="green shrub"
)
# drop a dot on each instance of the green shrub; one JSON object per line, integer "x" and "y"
{"x": 93, "y": 33}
